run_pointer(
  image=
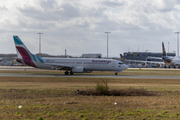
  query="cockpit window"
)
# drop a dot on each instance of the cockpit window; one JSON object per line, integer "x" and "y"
{"x": 120, "y": 63}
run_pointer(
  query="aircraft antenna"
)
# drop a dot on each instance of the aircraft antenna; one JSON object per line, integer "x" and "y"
{"x": 168, "y": 47}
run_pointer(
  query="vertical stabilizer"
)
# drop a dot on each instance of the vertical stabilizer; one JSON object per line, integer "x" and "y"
{"x": 122, "y": 57}
{"x": 163, "y": 49}
{"x": 23, "y": 52}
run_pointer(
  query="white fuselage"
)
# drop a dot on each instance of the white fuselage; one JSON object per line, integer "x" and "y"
{"x": 89, "y": 64}
{"x": 74, "y": 65}
{"x": 175, "y": 61}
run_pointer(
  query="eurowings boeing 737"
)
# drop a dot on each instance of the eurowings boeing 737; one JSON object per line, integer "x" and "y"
{"x": 74, "y": 65}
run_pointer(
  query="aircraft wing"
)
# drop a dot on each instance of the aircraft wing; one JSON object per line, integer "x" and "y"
{"x": 159, "y": 58}
{"x": 150, "y": 62}
{"x": 144, "y": 63}
{"x": 56, "y": 66}
{"x": 139, "y": 61}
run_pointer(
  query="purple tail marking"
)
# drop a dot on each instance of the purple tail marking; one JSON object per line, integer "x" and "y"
{"x": 26, "y": 57}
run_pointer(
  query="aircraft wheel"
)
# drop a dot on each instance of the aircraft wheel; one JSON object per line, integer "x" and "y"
{"x": 115, "y": 73}
{"x": 71, "y": 73}
{"x": 66, "y": 73}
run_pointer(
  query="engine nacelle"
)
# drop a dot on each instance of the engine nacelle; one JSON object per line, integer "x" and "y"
{"x": 158, "y": 65}
{"x": 144, "y": 64}
{"x": 139, "y": 65}
{"x": 78, "y": 70}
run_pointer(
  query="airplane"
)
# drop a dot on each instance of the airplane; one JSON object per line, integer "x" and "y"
{"x": 74, "y": 65}
{"x": 170, "y": 61}
{"x": 144, "y": 63}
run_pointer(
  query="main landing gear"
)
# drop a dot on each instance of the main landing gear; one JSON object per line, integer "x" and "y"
{"x": 67, "y": 73}
{"x": 71, "y": 73}
{"x": 116, "y": 73}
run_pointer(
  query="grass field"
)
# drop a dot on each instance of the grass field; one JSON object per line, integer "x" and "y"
{"x": 54, "y": 98}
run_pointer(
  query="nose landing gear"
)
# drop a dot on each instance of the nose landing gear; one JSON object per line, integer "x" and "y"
{"x": 116, "y": 73}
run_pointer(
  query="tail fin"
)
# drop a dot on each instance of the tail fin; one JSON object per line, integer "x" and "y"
{"x": 22, "y": 50}
{"x": 122, "y": 57}
{"x": 24, "y": 54}
{"x": 163, "y": 49}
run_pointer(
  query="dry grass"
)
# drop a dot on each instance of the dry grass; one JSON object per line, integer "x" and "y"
{"x": 117, "y": 92}
{"x": 55, "y": 98}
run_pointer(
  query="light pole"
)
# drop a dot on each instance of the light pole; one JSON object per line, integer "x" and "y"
{"x": 39, "y": 42}
{"x": 177, "y": 43}
{"x": 107, "y": 43}
{"x": 168, "y": 47}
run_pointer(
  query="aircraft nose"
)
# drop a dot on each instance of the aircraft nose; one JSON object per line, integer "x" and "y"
{"x": 126, "y": 66}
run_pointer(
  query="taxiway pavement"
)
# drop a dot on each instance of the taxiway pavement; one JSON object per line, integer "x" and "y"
{"x": 88, "y": 76}
{"x": 76, "y": 75}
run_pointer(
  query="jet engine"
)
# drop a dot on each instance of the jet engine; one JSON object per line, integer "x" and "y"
{"x": 78, "y": 70}
{"x": 144, "y": 64}
{"x": 158, "y": 65}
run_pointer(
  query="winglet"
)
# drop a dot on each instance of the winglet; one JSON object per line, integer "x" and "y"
{"x": 163, "y": 49}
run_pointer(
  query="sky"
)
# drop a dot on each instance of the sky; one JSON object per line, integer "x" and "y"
{"x": 79, "y": 26}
